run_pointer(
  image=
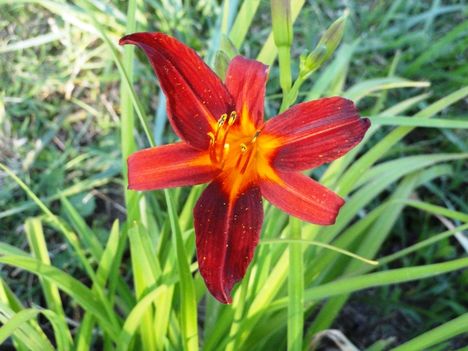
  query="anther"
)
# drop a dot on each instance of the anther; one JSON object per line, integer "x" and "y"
{"x": 243, "y": 148}
{"x": 222, "y": 119}
{"x": 212, "y": 138}
{"x": 254, "y": 139}
{"x": 232, "y": 118}
{"x": 218, "y": 145}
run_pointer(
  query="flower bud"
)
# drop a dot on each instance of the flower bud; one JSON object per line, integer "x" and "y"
{"x": 282, "y": 23}
{"x": 325, "y": 47}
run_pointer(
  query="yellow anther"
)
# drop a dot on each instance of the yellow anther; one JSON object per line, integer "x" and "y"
{"x": 254, "y": 139}
{"x": 243, "y": 148}
{"x": 212, "y": 138}
{"x": 222, "y": 119}
{"x": 232, "y": 118}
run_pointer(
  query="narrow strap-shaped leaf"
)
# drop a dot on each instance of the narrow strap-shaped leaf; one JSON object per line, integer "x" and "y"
{"x": 434, "y": 336}
{"x": 186, "y": 288}
{"x": 71, "y": 238}
{"x": 243, "y": 21}
{"x": 295, "y": 288}
{"x": 393, "y": 276}
{"x": 419, "y": 122}
{"x": 38, "y": 247}
{"x": 19, "y": 327}
{"x": 135, "y": 317}
{"x": 143, "y": 278}
{"x": 80, "y": 293}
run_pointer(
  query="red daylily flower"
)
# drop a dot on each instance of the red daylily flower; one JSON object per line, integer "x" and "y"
{"x": 225, "y": 141}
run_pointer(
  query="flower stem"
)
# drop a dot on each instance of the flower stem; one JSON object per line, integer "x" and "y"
{"x": 283, "y": 37}
{"x": 127, "y": 112}
{"x": 284, "y": 59}
{"x": 291, "y": 97}
{"x": 295, "y": 288}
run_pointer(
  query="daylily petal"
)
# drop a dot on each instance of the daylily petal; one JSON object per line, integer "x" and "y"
{"x": 316, "y": 132}
{"x": 302, "y": 197}
{"x": 196, "y": 97}
{"x": 227, "y": 231}
{"x": 246, "y": 80}
{"x": 169, "y": 166}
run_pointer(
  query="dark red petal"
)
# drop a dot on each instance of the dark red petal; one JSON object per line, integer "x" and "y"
{"x": 196, "y": 96}
{"x": 302, "y": 197}
{"x": 227, "y": 231}
{"x": 246, "y": 80}
{"x": 316, "y": 132}
{"x": 169, "y": 166}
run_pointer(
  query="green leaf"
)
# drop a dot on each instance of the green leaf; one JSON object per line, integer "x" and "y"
{"x": 143, "y": 278}
{"x": 17, "y": 324}
{"x": 295, "y": 288}
{"x": 243, "y": 21}
{"x": 360, "y": 167}
{"x": 221, "y": 64}
{"x": 434, "y": 336}
{"x": 367, "y": 87}
{"x": 187, "y": 289}
{"x": 39, "y": 250}
{"x": 394, "y": 276}
{"x": 108, "y": 264}
{"x": 135, "y": 317}
{"x": 419, "y": 122}
{"x": 80, "y": 226}
{"x": 80, "y": 293}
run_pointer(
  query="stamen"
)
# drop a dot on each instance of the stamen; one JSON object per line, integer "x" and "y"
{"x": 222, "y": 119}
{"x": 212, "y": 138}
{"x": 246, "y": 149}
{"x": 232, "y": 118}
{"x": 218, "y": 146}
{"x": 254, "y": 139}
{"x": 231, "y": 121}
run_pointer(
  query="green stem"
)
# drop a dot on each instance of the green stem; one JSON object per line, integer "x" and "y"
{"x": 291, "y": 97}
{"x": 295, "y": 288}
{"x": 127, "y": 112}
{"x": 284, "y": 60}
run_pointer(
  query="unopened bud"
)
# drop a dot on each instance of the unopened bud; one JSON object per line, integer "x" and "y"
{"x": 325, "y": 47}
{"x": 282, "y": 23}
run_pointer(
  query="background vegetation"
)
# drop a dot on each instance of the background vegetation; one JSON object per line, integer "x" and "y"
{"x": 89, "y": 265}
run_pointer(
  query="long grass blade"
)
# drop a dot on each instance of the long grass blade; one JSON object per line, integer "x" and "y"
{"x": 441, "y": 333}
{"x": 187, "y": 289}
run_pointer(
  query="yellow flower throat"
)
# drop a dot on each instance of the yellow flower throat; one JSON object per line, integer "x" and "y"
{"x": 229, "y": 146}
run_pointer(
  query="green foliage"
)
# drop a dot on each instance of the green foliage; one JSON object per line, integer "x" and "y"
{"x": 87, "y": 264}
